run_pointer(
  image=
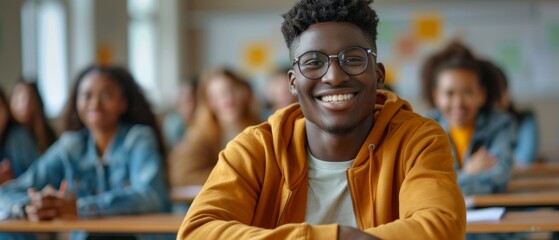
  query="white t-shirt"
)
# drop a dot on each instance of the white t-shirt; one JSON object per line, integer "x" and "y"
{"x": 328, "y": 197}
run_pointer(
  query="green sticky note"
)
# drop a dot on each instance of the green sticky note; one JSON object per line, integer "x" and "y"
{"x": 552, "y": 35}
{"x": 387, "y": 33}
{"x": 510, "y": 55}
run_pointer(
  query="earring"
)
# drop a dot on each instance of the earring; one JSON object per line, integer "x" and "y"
{"x": 293, "y": 90}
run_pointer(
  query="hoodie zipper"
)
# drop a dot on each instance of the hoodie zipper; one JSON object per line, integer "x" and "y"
{"x": 355, "y": 210}
{"x": 284, "y": 209}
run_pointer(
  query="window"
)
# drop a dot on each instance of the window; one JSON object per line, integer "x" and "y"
{"x": 142, "y": 44}
{"x": 44, "y": 51}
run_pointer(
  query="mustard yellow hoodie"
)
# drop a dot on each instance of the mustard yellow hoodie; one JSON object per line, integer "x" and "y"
{"x": 402, "y": 182}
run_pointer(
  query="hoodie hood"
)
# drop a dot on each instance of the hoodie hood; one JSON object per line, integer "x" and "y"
{"x": 290, "y": 138}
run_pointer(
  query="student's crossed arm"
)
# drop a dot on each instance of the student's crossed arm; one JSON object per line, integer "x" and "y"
{"x": 50, "y": 203}
{"x": 480, "y": 161}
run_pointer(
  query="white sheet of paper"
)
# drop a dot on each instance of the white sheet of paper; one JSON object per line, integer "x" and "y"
{"x": 485, "y": 214}
{"x": 3, "y": 215}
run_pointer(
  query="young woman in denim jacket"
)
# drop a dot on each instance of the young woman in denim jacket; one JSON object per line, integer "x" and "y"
{"x": 482, "y": 138}
{"x": 109, "y": 161}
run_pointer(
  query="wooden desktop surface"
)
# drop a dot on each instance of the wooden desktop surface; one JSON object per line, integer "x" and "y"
{"x": 523, "y": 199}
{"x": 535, "y": 221}
{"x": 151, "y": 223}
{"x": 168, "y": 223}
{"x": 533, "y": 184}
{"x": 537, "y": 169}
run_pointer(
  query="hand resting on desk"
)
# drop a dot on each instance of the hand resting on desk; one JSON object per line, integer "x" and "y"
{"x": 50, "y": 203}
{"x": 480, "y": 161}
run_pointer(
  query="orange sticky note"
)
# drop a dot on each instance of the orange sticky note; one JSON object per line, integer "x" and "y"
{"x": 428, "y": 26}
{"x": 104, "y": 54}
{"x": 256, "y": 55}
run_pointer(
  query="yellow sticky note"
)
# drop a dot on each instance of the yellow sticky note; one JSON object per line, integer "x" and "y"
{"x": 256, "y": 55}
{"x": 428, "y": 26}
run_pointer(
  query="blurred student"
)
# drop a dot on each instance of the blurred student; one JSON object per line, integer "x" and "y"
{"x": 27, "y": 109}
{"x": 21, "y": 143}
{"x": 175, "y": 123}
{"x": 9, "y": 147}
{"x": 277, "y": 92}
{"x": 526, "y": 149}
{"x": 225, "y": 107}
{"x": 109, "y": 160}
{"x": 482, "y": 138}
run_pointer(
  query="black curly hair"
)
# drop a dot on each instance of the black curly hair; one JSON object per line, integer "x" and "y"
{"x": 308, "y": 12}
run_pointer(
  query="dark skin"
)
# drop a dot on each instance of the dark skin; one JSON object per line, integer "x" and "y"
{"x": 355, "y": 116}
{"x": 50, "y": 203}
{"x": 331, "y": 126}
{"x": 100, "y": 103}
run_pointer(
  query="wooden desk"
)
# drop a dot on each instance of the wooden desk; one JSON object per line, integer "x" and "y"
{"x": 531, "y": 184}
{"x": 538, "y": 169}
{"x": 537, "y": 221}
{"x": 168, "y": 223}
{"x": 533, "y": 199}
{"x": 184, "y": 194}
{"x": 152, "y": 223}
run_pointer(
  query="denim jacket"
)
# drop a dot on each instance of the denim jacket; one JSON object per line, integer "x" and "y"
{"x": 496, "y": 131}
{"x": 128, "y": 179}
{"x": 528, "y": 140}
{"x": 19, "y": 147}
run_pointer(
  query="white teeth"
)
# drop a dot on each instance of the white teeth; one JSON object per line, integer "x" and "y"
{"x": 337, "y": 97}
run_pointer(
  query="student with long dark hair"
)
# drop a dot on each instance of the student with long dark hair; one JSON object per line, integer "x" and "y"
{"x": 18, "y": 147}
{"x": 109, "y": 160}
{"x": 28, "y": 133}
{"x": 482, "y": 138}
{"x": 27, "y": 108}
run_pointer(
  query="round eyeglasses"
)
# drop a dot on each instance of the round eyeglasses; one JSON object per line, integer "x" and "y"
{"x": 352, "y": 60}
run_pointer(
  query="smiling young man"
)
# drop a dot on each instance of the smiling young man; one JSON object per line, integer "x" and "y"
{"x": 349, "y": 161}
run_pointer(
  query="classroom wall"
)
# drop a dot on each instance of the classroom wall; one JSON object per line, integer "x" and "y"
{"x": 10, "y": 43}
{"x": 111, "y": 31}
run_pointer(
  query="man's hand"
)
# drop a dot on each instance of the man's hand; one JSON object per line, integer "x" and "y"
{"x": 50, "y": 203}
{"x": 479, "y": 162}
{"x": 6, "y": 173}
{"x": 349, "y": 233}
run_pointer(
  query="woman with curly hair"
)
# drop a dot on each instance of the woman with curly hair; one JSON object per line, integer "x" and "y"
{"x": 108, "y": 161}
{"x": 456, "y": 84}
